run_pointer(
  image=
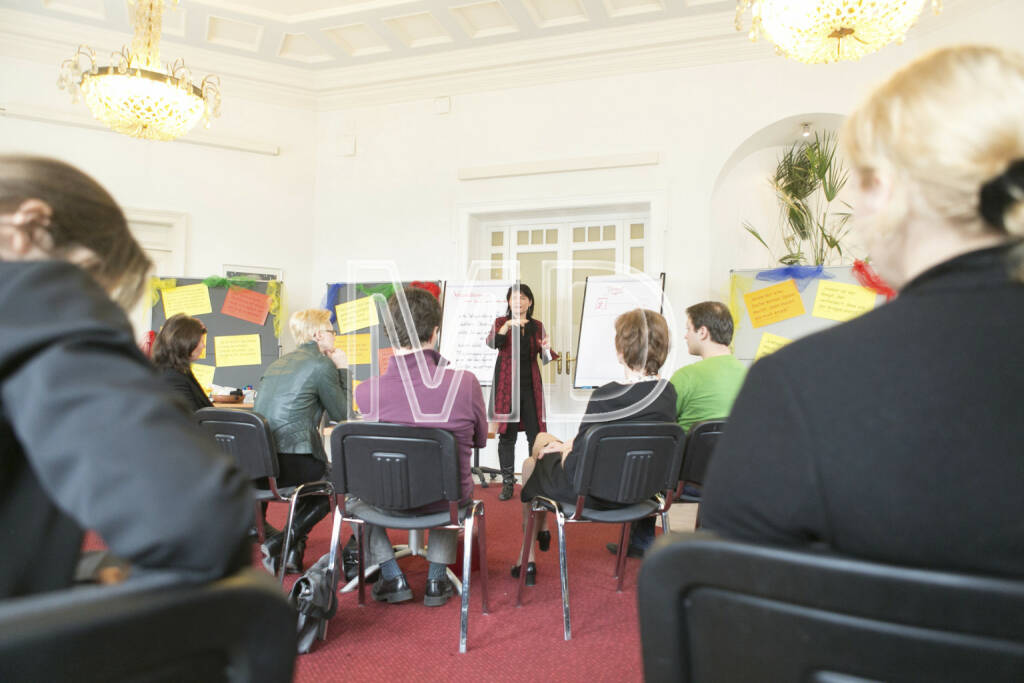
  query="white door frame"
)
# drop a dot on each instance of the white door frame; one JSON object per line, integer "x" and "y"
{"x": 471, "y": 218}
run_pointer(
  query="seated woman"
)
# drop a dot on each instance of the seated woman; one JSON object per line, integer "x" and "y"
{"x": 181, "y": 340}
{"x": 642, "y": 344}
{"x": 293, "y": 395}
{"x": 896, "y": 436}
{"x": 87, "y": 440}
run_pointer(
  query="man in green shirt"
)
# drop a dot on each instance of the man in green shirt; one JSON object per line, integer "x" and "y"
{"x": 705, "y": 390}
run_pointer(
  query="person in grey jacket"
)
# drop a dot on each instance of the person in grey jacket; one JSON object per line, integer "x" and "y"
{"x": 89, "y": 437}
{"x": 295, "y": 392}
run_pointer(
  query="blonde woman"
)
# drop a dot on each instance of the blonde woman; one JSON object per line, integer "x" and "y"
{"x": 897, "y": 436}
{"x": 295, "y": 392}
{"x": 88, "y": 437}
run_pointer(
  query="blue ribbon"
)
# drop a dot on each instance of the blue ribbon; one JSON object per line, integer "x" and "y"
{"x": 332, "y": 298}
{"x": 802, "y": 275}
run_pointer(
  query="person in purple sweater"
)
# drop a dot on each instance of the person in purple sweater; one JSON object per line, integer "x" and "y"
{"x": 402, "y": 395}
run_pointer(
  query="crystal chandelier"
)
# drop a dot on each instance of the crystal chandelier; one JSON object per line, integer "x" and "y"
{"x": 823, "y": 31}
{"x": 136, "y": 95}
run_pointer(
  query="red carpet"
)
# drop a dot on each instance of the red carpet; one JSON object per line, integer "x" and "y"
{"x": 411, "y": 642}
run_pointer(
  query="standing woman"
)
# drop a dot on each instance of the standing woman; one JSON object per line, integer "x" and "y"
{"x": 181, "y": 340}
{"x": 517, "y": 379}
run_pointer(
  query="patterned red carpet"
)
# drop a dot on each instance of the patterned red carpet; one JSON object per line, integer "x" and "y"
{"x": 411, "y": 642}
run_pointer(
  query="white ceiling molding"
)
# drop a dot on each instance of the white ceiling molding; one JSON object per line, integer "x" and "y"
{"x": 79, "y": 119}
{"x": 559, "y": 166}
{"x": 485, "y": 49}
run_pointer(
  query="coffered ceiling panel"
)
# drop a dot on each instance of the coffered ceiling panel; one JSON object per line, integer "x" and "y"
{"x": 336, "y": 52}
{"x": 320, "y": 34}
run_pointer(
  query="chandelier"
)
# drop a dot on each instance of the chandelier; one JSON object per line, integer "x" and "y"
{"x": 823, "y": 31}
{"x": 136, "y": 95}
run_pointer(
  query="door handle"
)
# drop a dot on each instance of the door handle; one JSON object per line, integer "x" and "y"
{"x": 558, "y": 365}
{"x": 568, "y": 362}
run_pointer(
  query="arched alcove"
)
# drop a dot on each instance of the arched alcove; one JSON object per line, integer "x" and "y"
{"x": 742, "y": 193}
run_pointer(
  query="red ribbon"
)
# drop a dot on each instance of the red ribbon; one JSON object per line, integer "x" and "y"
{"x": 867, "y": 277}
{"x": 431, "y": 287}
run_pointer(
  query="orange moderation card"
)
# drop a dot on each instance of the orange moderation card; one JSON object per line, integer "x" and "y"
{"x": 246, "y": 304}
{"x": 774, "y": 304}
{"x": 383, "y": 358}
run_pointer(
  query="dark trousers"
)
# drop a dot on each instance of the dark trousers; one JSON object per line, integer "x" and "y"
{"x": 507, "y": 439}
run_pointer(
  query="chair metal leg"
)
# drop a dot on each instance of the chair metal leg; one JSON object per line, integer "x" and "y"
{"x": 282, "y": 570}
{"x": 467, "y": 569}
{"x": 566, "y": 623}
{"x": 332, "y": 565}
{"x": 527, "y": 534}
{"x": 618, "y": 556}
{"x": 261, "y": 533}
{"x": 361, "y": 542}
{"x": 481, "y": 556}
{"x": 620, "y": 559}
{"x": 665, "y": 529}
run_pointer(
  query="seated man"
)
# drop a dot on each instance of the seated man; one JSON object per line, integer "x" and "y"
{"x": 705, "y": 390}
{"x": 467, "y": 421}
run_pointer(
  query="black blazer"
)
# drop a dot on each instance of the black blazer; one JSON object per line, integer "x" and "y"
{"x": 89, "y": 439}
{"x": 897, "y": 437}
{"x": 186, "y": 388}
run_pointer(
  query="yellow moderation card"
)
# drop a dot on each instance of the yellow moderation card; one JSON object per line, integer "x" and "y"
{"x": 841, "y": 301}
{"x": 237, "y": 349}
{"x": 356, "y": 315}
{"x": 774, "y": 304}
{"x": 770, "y": 343}
{"x": 190, "y": 300}
{"x": 203, "y": 375}
{"x": 355, "y": 346}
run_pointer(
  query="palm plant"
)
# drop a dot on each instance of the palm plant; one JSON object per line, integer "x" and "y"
{"x": 807, "y": 180}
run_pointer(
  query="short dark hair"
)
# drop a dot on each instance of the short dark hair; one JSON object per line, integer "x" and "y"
{"x": 176, "y": 341}
{"x": 519, "y": 287}
{"x": 715, "y": 316}
{"x": 642, "y": 337}
{"x": 426, "y": 315}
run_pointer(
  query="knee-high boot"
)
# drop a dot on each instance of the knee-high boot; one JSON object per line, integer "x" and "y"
{"x": 308, "y": 512}
{"x": 507, "y": 460}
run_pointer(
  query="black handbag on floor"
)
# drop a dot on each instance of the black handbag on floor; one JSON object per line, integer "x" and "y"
{"x": 314, "y": 599}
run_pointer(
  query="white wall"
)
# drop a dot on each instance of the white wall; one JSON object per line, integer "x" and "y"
{"x": 399, "y": 196}
{"x": 311, "y": 210}
{"x": 243, "y": 208}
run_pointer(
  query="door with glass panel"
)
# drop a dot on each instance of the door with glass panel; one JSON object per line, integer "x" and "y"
{"x": 555, "y": 258}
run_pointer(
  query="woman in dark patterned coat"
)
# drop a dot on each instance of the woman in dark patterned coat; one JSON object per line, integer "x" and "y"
{"x": 517, "y": 379}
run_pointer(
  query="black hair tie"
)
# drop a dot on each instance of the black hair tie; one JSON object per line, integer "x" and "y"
{"x": 1002, "y": 192}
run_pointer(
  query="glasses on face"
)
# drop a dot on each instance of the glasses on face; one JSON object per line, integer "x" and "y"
{"x": 328, "y": 330}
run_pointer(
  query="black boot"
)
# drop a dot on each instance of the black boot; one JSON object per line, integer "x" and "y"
{"x": 310, "y": 510}
{"x": 506, "y": 460}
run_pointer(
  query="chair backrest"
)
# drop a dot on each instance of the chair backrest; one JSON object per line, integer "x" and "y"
{"x": 394, "y": 467}
{"x": 700, "y": 443}
{"x": 629, "y": 462}
{"x": 243, "y": 435}
{"x": 714, "y": 610}
{"x": 237, "y": 629}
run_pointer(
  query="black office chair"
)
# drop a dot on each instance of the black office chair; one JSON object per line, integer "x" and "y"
{"x": 238, "y": 629}
{"x": 700, "y": 444}
{"x": 632, "y": 465}
{"x": 723, "y": 611}
{"x": 248, "y": 439}
{"x": 387, "y": 469}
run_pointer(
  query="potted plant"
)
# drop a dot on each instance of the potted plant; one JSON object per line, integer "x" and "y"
{"x": 807, "y": 182}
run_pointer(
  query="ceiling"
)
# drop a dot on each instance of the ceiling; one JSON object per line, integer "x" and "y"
{"x": 327, "y": 53}
{"x": 320, "y": 34}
